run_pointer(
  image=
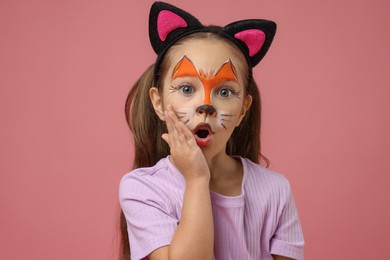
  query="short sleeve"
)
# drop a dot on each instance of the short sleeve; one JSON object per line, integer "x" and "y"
{"x": 288, "y": 238}
{"x": 151, "y": 222}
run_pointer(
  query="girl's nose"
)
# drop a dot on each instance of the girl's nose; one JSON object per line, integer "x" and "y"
{"x": 209, "y": 110}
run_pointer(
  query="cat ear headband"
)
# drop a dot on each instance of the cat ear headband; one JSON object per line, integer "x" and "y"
{"x": 168, "y": 24}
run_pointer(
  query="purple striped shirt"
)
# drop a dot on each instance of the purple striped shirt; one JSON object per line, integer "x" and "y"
{"x": 263, "y": 220}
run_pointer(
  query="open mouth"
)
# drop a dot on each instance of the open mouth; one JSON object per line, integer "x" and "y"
{"x": 203, "y": 134}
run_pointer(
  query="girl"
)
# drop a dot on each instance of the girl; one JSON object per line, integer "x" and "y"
{"x": 197, "y": 190}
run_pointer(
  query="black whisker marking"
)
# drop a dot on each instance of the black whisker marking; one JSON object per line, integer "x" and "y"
{"x": 172, "y": 90}
{"x": 224, "y": 126}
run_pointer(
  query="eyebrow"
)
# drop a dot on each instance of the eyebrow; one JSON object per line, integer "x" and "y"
{"x": 186, "y": 68}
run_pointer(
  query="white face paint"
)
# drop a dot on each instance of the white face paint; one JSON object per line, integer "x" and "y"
{"x": 186, "y": 114}
{"x": 222, "y": 119}
{"x": 210, "y": 104}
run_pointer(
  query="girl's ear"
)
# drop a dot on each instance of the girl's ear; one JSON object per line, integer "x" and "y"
{"x": 157, "y": 103}
{"x": 247, "y": 104}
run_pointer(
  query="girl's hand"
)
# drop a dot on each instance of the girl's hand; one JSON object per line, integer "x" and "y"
{"x": 185, "y": 153}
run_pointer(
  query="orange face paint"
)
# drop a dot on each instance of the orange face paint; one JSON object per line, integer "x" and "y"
{"x": 185, "y": 68}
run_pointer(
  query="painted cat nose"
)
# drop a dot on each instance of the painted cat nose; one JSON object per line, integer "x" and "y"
{"x": 209, "y": 110}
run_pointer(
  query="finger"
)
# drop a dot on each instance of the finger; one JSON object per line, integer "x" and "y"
{"x": 168, "y": 121}
{"x": 175, "y": 135}
{"x": 181, "y": 131}
{"x": 165, "y": 137}
{"x": 181, "y": 134}
{"x": 173, "y": 122}
{"x": 172, "y": 113}
{"x": 172, "y": 136}
{"x": 187, "y": 134}
{"x": 170, "y": 125}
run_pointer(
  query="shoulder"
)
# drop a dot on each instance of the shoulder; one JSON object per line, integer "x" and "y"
{"x": 157, "y": 181}
{"x": 151, "y": 199}
{"x": 270, "y": 184}
{"x": 258, "y": 172}
{"x": 145, "y": 173}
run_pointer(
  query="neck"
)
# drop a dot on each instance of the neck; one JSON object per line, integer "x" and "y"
{"x": 226, "y": 174}
{"x": 221, "y": 166}
{"x": 216, "y": 163}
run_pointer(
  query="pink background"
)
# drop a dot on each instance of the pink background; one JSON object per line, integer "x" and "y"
{"x": 67, "y": 66}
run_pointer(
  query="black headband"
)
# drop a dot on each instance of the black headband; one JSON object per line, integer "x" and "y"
{"x": 168, "y": 24}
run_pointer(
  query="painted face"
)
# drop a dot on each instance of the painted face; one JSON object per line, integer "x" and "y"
{"x": 210, "y": 79}
{"x": 207, "y": 90}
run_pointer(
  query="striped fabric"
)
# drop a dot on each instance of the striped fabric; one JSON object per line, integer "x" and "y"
{"x": 263, "y": 220}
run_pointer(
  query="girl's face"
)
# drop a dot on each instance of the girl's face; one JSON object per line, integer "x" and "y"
{"x": 205, "y": 86}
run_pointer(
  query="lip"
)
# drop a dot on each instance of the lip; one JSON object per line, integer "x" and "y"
{"x": 203, "y": 141}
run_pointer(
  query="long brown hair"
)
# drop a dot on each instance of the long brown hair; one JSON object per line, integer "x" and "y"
{"x": 147, "y": 128}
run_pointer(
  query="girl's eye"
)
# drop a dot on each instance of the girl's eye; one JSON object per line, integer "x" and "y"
{"x": 225, "y": 92}
{"x": 187, "y": 89}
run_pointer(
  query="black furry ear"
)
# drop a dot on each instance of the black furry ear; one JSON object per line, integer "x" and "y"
{"x": 254, "y": 37}
{"x": 168, "y": 23}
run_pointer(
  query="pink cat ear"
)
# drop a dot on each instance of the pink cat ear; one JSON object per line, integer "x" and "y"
{"x": 253, "y": 39}
{"x": 168, "y": 21}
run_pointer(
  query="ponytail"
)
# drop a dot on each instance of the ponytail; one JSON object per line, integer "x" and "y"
{"x": 147, "y": 129}
{"x": 144, "y": 123}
